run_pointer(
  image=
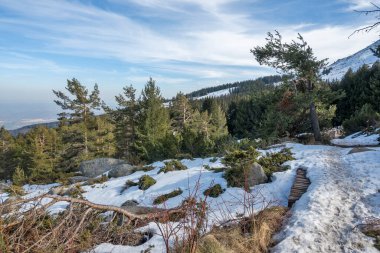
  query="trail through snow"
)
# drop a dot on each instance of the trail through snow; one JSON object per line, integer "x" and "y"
{"x": 325, "y": 219}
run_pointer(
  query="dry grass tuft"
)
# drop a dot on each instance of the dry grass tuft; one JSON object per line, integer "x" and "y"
{"x": 251, "y": 234}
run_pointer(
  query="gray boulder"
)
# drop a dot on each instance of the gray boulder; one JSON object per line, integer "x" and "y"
{"x": 121, "y": 170}
{"x": 256, "y": 175}
{"x": 77, "y": 179}
{"x": 96, "y": 167}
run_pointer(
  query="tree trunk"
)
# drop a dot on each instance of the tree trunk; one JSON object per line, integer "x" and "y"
{"x": 315, "y": 122}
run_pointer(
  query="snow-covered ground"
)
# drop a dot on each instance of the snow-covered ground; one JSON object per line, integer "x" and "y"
{"x": 355, "y": 61}
{"x": 358, "y": 139}
{"x": 216, "y": 93}
{"x": 344, "y": 191}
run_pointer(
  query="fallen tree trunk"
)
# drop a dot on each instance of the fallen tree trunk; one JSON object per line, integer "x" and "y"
{"x": 101, "y": 207}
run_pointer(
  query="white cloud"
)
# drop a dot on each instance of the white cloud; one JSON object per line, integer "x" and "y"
{"x": 219, "y": 40}
{"x": 360, "y": 4}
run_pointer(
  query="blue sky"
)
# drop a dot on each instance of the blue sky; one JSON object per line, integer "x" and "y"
{"x": 182, "y": 44}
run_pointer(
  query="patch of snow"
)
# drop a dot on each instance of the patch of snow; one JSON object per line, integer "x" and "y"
{"x": 358, "y": 139}
{"x": 355, "y": 61}
{"x": 216, "y": 93}
{"x": 344, "y": 191}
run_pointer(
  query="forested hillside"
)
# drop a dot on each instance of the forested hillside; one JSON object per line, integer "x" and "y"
{"x": 141, "y": 129}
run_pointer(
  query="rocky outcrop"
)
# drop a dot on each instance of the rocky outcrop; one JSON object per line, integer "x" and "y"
{"x": 97, "y": 167}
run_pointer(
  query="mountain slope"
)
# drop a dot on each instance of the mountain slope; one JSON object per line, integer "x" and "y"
{"x": 236, "y": 87}
{"x": 26, "y": 129}
{"x": 355, "y": 61}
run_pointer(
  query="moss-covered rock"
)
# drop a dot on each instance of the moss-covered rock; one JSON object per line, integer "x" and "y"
{"x": 165, "y": 197}
{"x": 172, "y": 165}
{"x": 145, "y": 182}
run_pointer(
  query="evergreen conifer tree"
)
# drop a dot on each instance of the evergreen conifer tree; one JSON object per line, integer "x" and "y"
{"x": 295, "y": 58}
{"x": 154, "y": 123}
{"x": 77, "y": 121}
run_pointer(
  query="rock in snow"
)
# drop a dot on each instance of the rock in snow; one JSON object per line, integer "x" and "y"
{"x": 97, "y": 167}
{"x": 121, "y": 170}
{"x": 256, "y": 175}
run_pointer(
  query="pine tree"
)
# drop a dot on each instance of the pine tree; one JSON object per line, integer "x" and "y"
{"x": 43, "y": 144}
{"x": 19, "y": 177}
{"x": 104, "y": 138}
{"x": 181, "y": 112}
{"x": 218, "y": 122}
{"x": 77, "y": 121}
{"x": 7, "y": 154}
{"x": 125, "y": 118}
{"x": 295, "y": 58}
{"x": 154, "y": 123}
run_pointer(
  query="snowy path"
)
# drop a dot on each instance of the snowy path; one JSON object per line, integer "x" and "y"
{"x": 324, "y": 220}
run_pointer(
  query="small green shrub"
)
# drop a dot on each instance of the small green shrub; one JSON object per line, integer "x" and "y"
{"x": 272, "y": 162}
{"x": 238, "y": 156}
{"x": 172, "y": 165}
{"x": 143, "y": 168}
{"x": 214, "y": 159}
{"x": 239, "y": 162}
{"x": 214, "y": 191}
{"x": 147, "y": 168}
{"x": 15, "y": 190}
{"x": 98, "y": 180}
{"x": 215, "y": 170}
{"x": 145, "y": 182}
{"x": 19, "y": 177}
{"x": 130, "y": 183}
{"x": 165, "y": 197}
{"x": 207, "y": 167}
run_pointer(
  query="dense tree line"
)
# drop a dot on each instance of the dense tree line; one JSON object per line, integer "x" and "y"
{"x": 239, "y": 87}
{"x": 360, "y": 107}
